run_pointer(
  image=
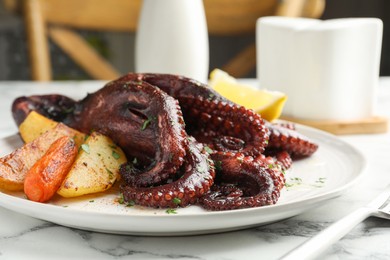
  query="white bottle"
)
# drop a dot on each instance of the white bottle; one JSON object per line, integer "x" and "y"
{"x": 172, "y": 38}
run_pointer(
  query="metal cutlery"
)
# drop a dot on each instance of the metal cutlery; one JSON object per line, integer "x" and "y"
{"x": 379, "y": 207}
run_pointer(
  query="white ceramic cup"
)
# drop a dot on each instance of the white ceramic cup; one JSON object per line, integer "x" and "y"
{"x": 328, "y": 69}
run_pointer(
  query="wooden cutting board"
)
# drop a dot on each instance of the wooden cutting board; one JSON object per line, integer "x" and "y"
{"x": 371, "y": 125}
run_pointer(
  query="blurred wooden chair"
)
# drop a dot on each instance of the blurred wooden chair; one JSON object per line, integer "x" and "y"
{"x": 232, "y": 17}
{"x": 57, "y": 20}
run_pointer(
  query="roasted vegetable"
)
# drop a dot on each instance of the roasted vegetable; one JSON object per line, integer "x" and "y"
{"x": 45, "y": 177}
{"x": 96, "y": 167}
{"x": 36, "y": 124}
{"x": 13, "y": 167}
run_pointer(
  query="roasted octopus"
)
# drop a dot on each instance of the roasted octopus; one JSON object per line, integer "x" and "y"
{"x": 185, "y": 143}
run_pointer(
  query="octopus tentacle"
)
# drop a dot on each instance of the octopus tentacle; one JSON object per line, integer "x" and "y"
{"x": 151, "y": 116}
{"x": 195, "y": 179}
{"x": 185, "y": 89}
{"x": 291, "y": 141}
{"x": 280, "y": 159}
{"x": 142, "y": 119}
{"x": 259, "y": 183}
{"x": 176, "y": 86}
{"x": 226, "y": 127}
{"x": 56, "y": 107}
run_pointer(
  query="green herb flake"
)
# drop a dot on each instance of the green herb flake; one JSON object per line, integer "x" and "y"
{"x": 296, "y": 179}
{"x": 85, "y": 148}
{"x": 116, "y": 155}
{"x": 121, "y": 200}
{"x": 321, "y": 180}
{"x": 147, "y": 123}
{"x": 130, "y": 203}
{"x": 128, "y": 167}
{"x": 218, "y": 165}
{"x": 171, "y": 211}
{"x": 208, "y": 149}
{"x": 294, "y": 182}
{"x": 91, "y": 201}
{"x": 68, "y": 110}
{"x": 176, "y": 201}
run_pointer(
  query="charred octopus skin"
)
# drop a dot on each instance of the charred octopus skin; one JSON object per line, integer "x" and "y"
{"x": 243, "y": 182}
{"x": 142, "y": 119}
{"x": 191, "y": 182}
{"x": 153, "y": 116}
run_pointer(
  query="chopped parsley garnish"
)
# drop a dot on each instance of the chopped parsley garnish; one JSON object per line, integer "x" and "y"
{"x": 295, "y": 181}
{"x": 208, "y": 149}
{"x": 147, "y": 123}
{"x": 116, "y": 155}
{"x": 130, "y": 203}
{"x": 68, "y": 110}
{"x": 177, "y": 201}
{"x": 321, "y": 180}
{"x": 121, "y": 200}
{"x": 218, "y": 165}
{"x": 91, "y": 201}
{"x": 85, "y": 147}
{"x": 171, "y": 211}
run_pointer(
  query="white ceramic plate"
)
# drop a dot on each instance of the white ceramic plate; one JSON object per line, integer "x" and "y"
{"x": 325, "y": 175}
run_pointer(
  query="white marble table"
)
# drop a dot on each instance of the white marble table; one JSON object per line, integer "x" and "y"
{"x": 23, "y": 237}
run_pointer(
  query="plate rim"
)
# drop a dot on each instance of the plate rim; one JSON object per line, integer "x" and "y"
{"x": 8, "y": 201}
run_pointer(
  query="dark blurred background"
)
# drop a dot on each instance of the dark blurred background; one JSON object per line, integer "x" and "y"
{"x": 365, "y": 8}
{"x": 119, "y": 47}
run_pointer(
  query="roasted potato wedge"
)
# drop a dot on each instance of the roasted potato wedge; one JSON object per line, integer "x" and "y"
{"x": 13, "y": 167}
{"x": 36, "y": 124}
{"x": 96, "y": 167}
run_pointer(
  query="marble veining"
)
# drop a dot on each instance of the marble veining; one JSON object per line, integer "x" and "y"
{"x": 23, "y": 237}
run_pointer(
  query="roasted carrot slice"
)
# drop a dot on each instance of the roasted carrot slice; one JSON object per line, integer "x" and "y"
{"x": 47, "y": 174}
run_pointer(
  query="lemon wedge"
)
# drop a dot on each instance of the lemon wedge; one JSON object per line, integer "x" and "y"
{"x": 269, "y": 104}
